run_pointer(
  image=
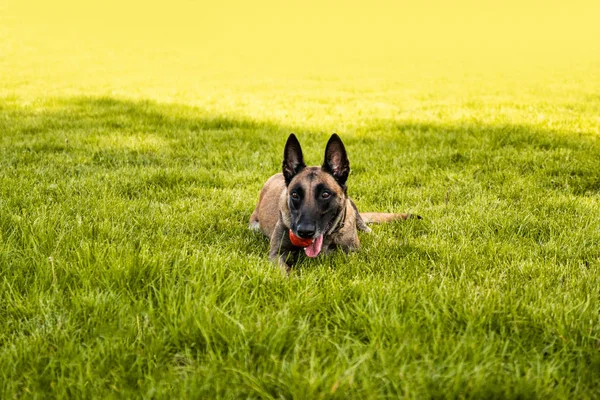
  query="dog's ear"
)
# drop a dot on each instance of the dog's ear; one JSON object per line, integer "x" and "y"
{"x": 293, "y": 162}
{"x": 336, "y": 161}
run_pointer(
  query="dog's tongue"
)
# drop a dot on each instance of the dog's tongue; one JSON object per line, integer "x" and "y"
{"x": 314, "y": 248}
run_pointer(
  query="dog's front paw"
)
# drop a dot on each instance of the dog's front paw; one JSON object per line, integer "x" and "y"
{"x": 254, "y": 226}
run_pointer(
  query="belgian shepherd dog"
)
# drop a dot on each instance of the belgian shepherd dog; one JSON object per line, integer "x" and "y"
{"x": 308, "y": 209}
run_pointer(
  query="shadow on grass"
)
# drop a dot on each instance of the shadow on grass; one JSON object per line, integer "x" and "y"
{"x": 105, "y": 113}
{"x": 111, "y": 115}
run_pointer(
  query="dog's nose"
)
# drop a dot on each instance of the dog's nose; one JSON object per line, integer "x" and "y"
{"x": 306, "y": 231}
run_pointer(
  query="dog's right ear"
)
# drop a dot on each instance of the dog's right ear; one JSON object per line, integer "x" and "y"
{"x": 336, "y": 160}
{"x": 293, "y": 162}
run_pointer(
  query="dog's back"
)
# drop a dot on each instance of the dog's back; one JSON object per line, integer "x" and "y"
{"x": 266, "y": 213}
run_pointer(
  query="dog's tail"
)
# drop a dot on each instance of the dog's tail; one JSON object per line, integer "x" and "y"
{"x": 377, "y": 218}
{"x": 380, "y": 218}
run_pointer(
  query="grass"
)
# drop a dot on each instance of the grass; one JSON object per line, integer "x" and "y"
{"x": 130, "y": 163}
{"x": 128, "y": 268}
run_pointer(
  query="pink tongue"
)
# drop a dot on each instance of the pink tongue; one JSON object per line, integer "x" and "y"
{"x": 314, "y": 248}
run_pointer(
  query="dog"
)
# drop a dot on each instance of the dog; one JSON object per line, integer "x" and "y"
{"x": 308, "y": 208}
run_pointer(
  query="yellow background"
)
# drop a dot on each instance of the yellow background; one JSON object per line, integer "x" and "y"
{"x": 283, "y": 60}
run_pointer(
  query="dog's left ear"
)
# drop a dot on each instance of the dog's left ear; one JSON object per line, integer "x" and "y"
{"x": 293, "y": 161}
{"x": 336, "y": 161}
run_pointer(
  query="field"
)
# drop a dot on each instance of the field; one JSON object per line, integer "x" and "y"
{"x": 132, "y": 154}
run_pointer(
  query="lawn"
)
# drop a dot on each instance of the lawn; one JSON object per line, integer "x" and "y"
{"x": 130, "y": 164}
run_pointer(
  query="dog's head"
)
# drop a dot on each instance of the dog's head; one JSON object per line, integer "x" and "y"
{"x": 316, "y": 196}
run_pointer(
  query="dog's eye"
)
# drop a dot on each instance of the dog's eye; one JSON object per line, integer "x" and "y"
{"x": 295, "y": 196}
{"x": 326, "y": 195}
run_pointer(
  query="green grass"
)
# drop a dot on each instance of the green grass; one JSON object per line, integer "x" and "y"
{"x": 127, "y": 268}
